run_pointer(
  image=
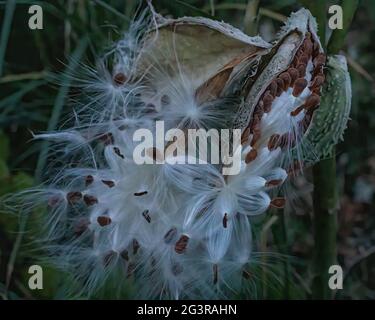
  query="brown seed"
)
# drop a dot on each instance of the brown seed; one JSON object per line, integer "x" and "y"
{"x": 177, "y": 268}
{"x": 273, "y": 142}
{"x": 294, "y": 75}
{"x": 273, "y": 88}
{"x": 118, "y": 152}
{"x": 315, "y": 90}
{"x": 104, "y": 220}
{"x": 215, "y": 272}
{"x": 280, "y": 87}
{"x": 245, "y": 136}
{"x": 299, "y": 85}
{"x": 225, "y": 220}
{"x": 251, "y": 155}
{"x": 308, "y": 46}
{"x": 258, "y": 114}
{"x": 125, "y": 255}
{"x": 318, "y": 72}
{"x": 301, "y": 51}
{"x": 294, "y": 63}
{"x": 81, "y": 226}
{"x": 296, "y": 111}
{"x": 54, "y": 201}
{"x": 181, "y": 244}
{"x": 273, "y": 183}
{"x": 319, "y": 60}
{"x": 109, "y": 258}
{"x": 146, "y": 215}
{"x": 119, "y": 79}
{"x": 303, "y": 59}
{"x": 142, "y": 193}
{"x": 312, "y": 101}
{"x": 90, "y": 200}
{"x": 278, "y": 203}
{"x": 267, "y": 102}
{"x": 255, "y": 123}
{"x": 285, "y": 76}
{"x": 106, "y": 138}
{"x": 170, "y": 235}
{"x": 136, "y": 246}
{"x": 318, "y": 81}
{"x": 109, "y": 183}
{"x": 89, "y": 180}
{"x": 301, "y": 70}
{"x": 73, "y": 197}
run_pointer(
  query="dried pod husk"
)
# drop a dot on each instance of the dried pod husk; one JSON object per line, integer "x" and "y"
{"x": 208, "y": 53}
{"x": 286, "y": 88}
{"x": 201, "y": 65}
{"x": 330, "y": 119}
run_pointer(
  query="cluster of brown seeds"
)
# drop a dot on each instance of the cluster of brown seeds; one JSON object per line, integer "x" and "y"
{"x": 110, "y": 256}
{"x": 293, "y": 78}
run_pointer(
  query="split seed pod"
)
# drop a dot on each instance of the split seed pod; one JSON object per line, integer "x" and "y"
{"x": 208, "y": 54}
{"x": 286, "y": 89}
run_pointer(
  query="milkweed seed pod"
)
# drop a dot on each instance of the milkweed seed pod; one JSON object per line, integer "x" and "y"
{"x": 281, "y": 98}
{"x": 178, "y": 230}
{"x": 199, "y": 57}
{"x": 330, "y": 119}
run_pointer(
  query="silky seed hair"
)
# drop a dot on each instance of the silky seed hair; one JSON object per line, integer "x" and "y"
{"x": 173, "y": 231}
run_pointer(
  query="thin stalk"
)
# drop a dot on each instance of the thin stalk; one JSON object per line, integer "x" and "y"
{"x": 251, "y": 18}
{"x": 318, "y": 9}
{"x": 280, "y": 235}
{"x": 324, "y": 172}
{"x": 337, "y": 39}
{"x": 325, "y": 225}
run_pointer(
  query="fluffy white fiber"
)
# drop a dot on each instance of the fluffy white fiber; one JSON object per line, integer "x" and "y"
{"x": 168, "y": 231}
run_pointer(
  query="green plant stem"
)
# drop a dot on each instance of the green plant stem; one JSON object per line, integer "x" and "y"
{"x": 251, "y": 18}
{"x": 338, "y": 36}
{"x": 318, "y": 9}
{"x": 324, "y": 173}
{"x": 325, "y": 225}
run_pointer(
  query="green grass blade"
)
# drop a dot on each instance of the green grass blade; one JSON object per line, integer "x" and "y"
{"x": 59, "y": 104}
{"x": 10, "y": 6}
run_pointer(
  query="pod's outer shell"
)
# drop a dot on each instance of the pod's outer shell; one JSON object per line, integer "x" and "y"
{"x": 277, "y": 60}
{"x": 330, "y": 119}
{"x": 197, "y": 47}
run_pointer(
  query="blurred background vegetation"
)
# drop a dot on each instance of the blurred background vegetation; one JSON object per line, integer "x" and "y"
{"x": 82, "y": 29}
